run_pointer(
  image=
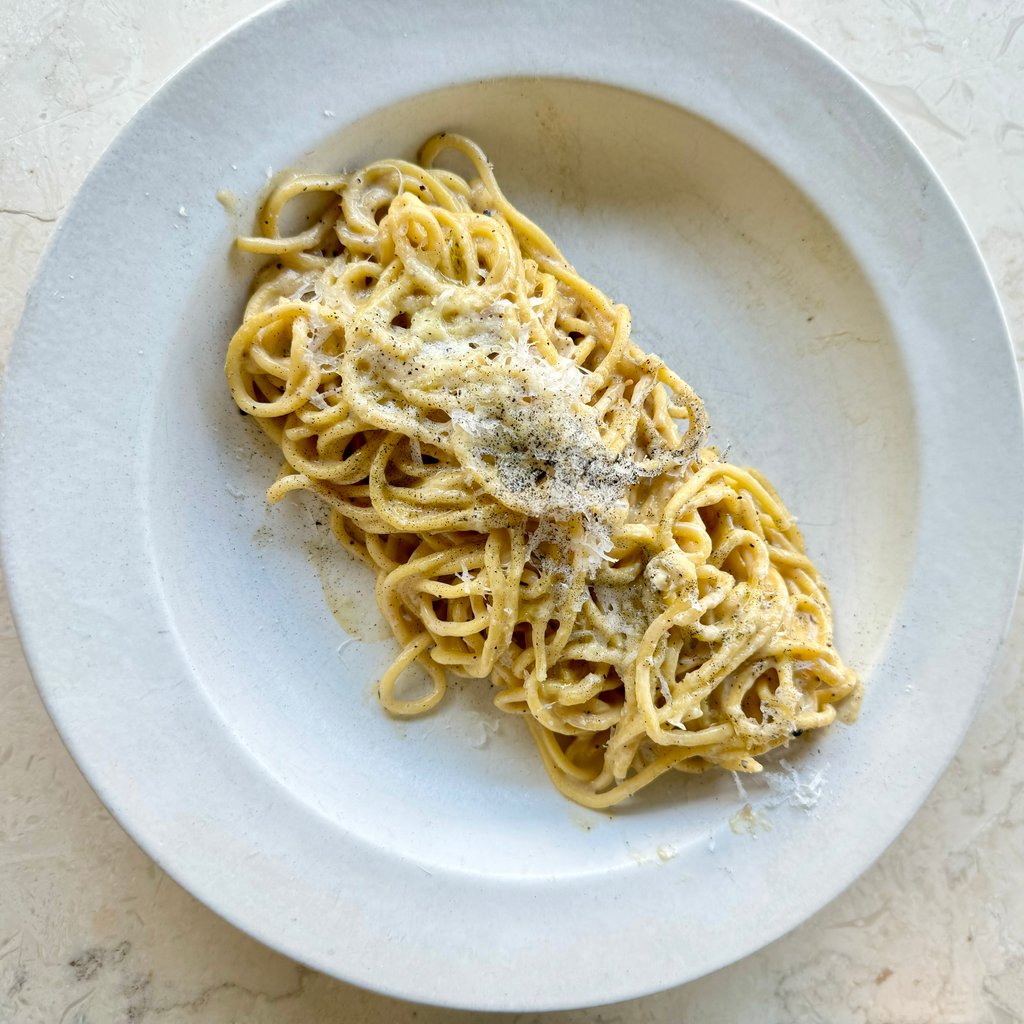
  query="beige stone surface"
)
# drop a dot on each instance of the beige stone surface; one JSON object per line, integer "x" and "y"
{"x": 92, "y": 931}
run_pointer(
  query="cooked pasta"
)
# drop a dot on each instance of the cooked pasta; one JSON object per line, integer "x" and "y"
{"x": 532, "y": 488}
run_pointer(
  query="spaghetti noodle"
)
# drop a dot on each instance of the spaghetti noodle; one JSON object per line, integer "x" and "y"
{"x": 530, "y": 486}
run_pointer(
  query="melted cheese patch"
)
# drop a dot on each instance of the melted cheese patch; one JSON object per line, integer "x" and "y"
{"x": 520, "y": 424}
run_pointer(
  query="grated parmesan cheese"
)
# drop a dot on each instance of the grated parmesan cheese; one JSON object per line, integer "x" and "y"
{"x": 519, "y": 422}
{"x": 789, "y": 787}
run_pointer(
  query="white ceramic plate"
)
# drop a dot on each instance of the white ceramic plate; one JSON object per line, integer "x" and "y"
{"x": 780, "y": 242}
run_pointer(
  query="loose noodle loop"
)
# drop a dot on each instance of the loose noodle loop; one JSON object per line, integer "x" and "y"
{"x": 528, "y": 483}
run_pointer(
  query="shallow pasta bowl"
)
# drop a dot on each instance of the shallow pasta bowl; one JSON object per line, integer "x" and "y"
{"x": 780, "y": 243}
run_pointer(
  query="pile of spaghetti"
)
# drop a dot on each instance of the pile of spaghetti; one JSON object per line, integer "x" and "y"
{"x": 530, "y": 486}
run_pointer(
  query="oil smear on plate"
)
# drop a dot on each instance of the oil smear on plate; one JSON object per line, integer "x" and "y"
{"x": 348, "y": 590}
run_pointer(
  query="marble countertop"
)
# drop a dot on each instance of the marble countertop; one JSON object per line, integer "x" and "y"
{"x": 91, "y": 930}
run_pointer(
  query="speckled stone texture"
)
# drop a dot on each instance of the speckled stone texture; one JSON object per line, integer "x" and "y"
{"x": 92, "y": 931}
